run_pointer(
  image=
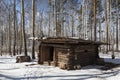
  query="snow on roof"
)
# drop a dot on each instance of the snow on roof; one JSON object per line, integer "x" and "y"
{"x": 33, "y": 38}
{"x": 70, "y": 40}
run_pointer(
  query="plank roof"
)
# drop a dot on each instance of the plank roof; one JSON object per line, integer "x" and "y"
{"x": 63, "y": 40}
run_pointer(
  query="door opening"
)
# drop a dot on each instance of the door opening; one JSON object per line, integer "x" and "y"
{"x": 51, "y": 52}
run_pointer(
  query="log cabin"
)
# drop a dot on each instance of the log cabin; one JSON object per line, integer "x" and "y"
{"x": 68, "y": 53}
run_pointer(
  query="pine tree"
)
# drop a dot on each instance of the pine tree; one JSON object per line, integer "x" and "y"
{"x": 117, "y": 25}
{"x": 14, "y": 44}
{"x": 33, "y": 29}
{"x": 95, "y": 29}
{"x": 9, "y": 31}
{"x": 106, "y": 19}
{"x": 23, "y": 29}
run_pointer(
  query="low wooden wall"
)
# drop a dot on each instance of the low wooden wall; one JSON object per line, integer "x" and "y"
{"x": 83, "y": 55}
{"x": 71, "y": 56}
{"x": 62, "y": 57}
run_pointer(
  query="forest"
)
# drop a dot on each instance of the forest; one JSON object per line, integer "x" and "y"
{"x": 59, "y": 39}
{"x": 22, "y": 20}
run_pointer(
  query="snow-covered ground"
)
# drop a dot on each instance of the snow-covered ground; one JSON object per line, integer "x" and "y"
{"x": 9, "y": 70}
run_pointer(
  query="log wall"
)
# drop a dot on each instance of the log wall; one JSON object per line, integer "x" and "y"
{"x": 72, "y": 57}
{"x": 83, "y": 55}
{"x": 62, "y": 57}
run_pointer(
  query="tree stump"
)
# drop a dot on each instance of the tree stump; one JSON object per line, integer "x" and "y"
{"x": 20, "y": 59}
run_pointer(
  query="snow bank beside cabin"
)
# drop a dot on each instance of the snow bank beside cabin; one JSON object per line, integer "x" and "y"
{"x": 9, "y": 70}
{"x": 108, "y": 58}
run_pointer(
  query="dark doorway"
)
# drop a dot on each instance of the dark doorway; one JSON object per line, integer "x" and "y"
{"x": 51, "y": 51}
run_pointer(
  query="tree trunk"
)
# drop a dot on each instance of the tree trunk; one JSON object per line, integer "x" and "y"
{"x": 33, "y": 29}
{"x": 117, "y": 45}
{"x": 1, "y": 35}
{"x": 17, "y": 36}
{"x": 106, "y": 19}
{"x": 23, "y": 29}
{"x": 95, "y": 20}
{"x": 14, "y": 43}
{"x": 82, "y": 33}
{"x": 9, "y": 33}
{"x": 49, "y": 29}
{"x": 72, "y": 22}
{"x": 20, "y": 47}
{"x": 55, "y": 18}
{"x": 91, "y": 30}
{"x": 0, "y": 39}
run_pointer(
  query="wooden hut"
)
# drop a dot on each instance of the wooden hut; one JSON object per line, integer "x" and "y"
{"x": 68, "y": 53}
